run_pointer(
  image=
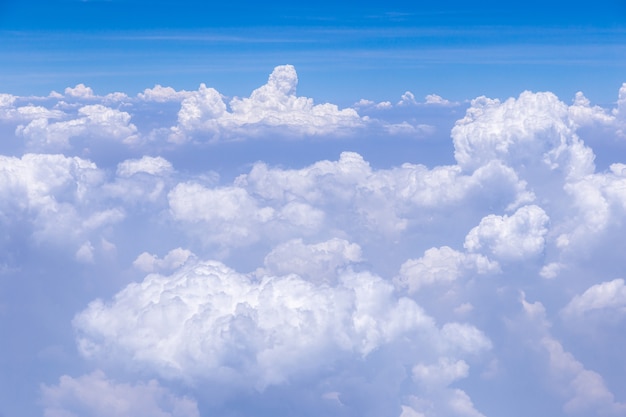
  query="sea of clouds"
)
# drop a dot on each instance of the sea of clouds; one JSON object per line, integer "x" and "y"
{"x": 199, "y": 282}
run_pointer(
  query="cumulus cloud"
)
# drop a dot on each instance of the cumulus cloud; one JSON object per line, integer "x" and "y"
{"x": 407, "y": 99}
{"x": 162, "y": 94}
{"x": 356, "y": 268}
{"x": 80, "y": 91}
{"x": 598, "y": 202}
{"x": 209, "y": 323}
{"x": 94, "y": 395}
{"x": 173, "y": 259}
{"x": 607, "y": 296}
{"x": 435, "y": 99}
{"x": 533, "y": 130}
{"x": 442, "y": 265}
{"x": 93, "y": 121}
{"x": 54, "y": 191}
{"x": 274, "y": 105}
{"x": 514, "y": 237}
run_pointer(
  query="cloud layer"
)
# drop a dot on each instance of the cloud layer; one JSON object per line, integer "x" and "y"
{"x": 217, "y": 265}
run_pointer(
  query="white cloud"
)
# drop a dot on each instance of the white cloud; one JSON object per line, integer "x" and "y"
{"x": 598, "y": 202}
{"x": 94, "y": 121}
{"x": 162, "y": 94}
{"x": 407, "y": 99}
{"x": 531, "y": 131}
{"x": 231, "y": 215}
{"x": 582, "y": 113}
{"x": 81, "y": 91}
{"x": 441, "y": 265}
{"x": 7, "y": 100}
{"x": 608, "y": 296}
{"x": 172, "y": 260}
{"x": 434, "y": 99}
{"x": 272, "y": 108}
{"x": 94, "y": 395}
{"x": 551, "y": 270}
{"x": 57, "y": 197}
{"x": 512, "y": 238}
{"x": 211, "y": 323}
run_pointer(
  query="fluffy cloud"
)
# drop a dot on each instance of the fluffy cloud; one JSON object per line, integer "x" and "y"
{"x": 273, "y": 105}
{"x": 442, "y": 265}
{"x": 81, "y": 91}
{"x": 94, "y": 395}
{"x": 315, "y": 322}
{"x": 208, "y": 322}
{"x": 54, "y": 191}
{"x": 174, "y": 259}
{"x": 598, "y": 202}
{"x": 274, "y": 203}
{"x": 162, "y": 94}
{"x": 93, "y": 121}
{"x": 514, "y": 237}
{"x": 607, "y": 296}
{"x": 533, "y": 130}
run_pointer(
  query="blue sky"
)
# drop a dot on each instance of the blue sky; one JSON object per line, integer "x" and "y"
{"x": 279, "y": 209}
{"x": 128, "y": 45}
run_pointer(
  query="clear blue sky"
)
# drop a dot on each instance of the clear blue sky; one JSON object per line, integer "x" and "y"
{"x": 457, "y": 49}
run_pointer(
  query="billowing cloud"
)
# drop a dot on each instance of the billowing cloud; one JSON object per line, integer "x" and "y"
{"x": 533, "y": 130}
{"x": 274, "y": 105}
{"x": 162, "y": 94}
{"x": 209, "y": 324}
{"x": 514, "y": 237}
{"x": 94, "y": 121}
{"x": 53, "y": 194}
{"x": 206, "y": 275}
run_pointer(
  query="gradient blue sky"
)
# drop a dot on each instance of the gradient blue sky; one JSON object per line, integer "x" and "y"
{"x": 460, "y": 49}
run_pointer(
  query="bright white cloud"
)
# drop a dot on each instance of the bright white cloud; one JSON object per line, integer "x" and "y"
{"x": 54, "y": 200}
{"x": 162, "y": 94}
{"x": 94, "y": 121}
{"x": 274, "y": 105}
{"x": 533, "y": 130}
{"x": 608, "y": 296}
{"x": 209, "y": 322}
{"x": 434, "y": 99}
{"x": 516, "y": 237}
{"x": 81, "y": 91}
{"x": 320, "y": 320}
